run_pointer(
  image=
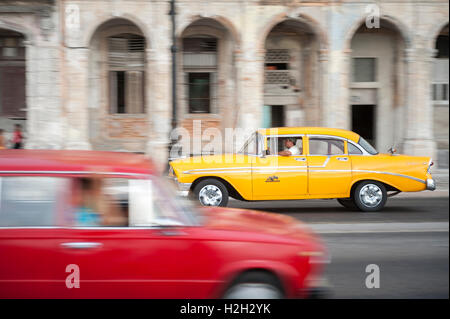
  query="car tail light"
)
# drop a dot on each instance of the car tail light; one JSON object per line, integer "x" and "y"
{"x": 431, "y": 163}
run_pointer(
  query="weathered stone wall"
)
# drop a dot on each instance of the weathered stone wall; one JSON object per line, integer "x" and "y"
{"x": 61, "y": 97}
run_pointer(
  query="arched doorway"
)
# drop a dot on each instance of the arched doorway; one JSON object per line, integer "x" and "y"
{"x": 440, "y": 96}
{"x": 291, "y": 75}
{"x": 207, "y": 78}
{"x": 118, "y": 103}
{"x": 377, "y": 75}
{"x": 12, "y": 80}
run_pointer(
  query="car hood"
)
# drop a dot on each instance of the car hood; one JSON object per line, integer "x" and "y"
{"x": 256, "y": 222}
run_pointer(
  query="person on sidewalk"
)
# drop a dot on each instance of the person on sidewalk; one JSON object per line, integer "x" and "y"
{"x": 2, "y": 140}
{"x": 17, "y": 140}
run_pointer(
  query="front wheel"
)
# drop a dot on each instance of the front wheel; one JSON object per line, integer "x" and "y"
{"x": 211, "y": 192}
{"x": 255, "y": 285}
{"x": 370, "y": 196}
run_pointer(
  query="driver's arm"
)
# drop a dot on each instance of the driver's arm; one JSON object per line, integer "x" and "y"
{"x": 285, "y": 153}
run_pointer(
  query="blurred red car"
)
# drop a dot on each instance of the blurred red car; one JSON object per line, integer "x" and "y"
{"x": 86, "y": 224}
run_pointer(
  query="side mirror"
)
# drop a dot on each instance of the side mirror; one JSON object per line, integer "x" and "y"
{"x": 392, "y": 150}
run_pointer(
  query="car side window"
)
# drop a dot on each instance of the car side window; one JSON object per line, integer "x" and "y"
{"x": 326, "y": 146}
{"x": 353, "y": 150}
{"x": 31, "y": 201}
{"x": 277, "y": 144}
{"x": 99, "y": 201}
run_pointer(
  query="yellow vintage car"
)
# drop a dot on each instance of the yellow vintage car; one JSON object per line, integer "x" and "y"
{"x": 301, "y": 163}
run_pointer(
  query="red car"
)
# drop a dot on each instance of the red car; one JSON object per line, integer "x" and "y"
{"x": 87, "y": 224}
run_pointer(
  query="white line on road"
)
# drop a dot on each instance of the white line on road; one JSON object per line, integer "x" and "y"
{"x": 341, "y": 228}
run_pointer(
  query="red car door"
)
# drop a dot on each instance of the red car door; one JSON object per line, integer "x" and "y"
{"x": 31, "y": 264}
{"x": 138, "y": 263}
{"x": 143, "y": 260}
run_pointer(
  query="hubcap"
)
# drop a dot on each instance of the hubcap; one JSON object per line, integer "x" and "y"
{"x": 210, "y": 195}
{"x": 371, "y": 195}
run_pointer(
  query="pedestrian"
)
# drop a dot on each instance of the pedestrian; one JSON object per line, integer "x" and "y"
{"x": 17, "y": 140}
{"x": 2, "y": 140}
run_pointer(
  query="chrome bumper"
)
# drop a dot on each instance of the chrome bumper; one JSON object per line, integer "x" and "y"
{"x": 431, "y": 185}
{"x": 182, "y": 188}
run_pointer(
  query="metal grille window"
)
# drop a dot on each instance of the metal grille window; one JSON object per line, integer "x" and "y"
{"x": 364, "y": 69}
{"x": 126, "y": 63}
{"x": 277, "y": 66}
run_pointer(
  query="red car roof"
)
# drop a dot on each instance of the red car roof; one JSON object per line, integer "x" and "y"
{"x": 71, "y": 162}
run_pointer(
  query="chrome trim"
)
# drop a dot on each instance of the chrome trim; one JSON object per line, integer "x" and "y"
{"x": 215, "y": 172}
{"x": 364, "y": 152}
{"x": 431, "y": 185}
{"x": 285, "y": 135}
{"x": 326, "y": 136}
{"x": 215, "y": 169}
{"x": 324, "y": 164}
{"x": 81, "y": 245}
{"x": 394, "y": 174}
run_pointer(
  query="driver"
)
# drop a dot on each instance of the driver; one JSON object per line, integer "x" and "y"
{"x": 291, "y": 148}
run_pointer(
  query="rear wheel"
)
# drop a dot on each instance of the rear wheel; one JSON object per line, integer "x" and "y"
{"x": 211, "y": 192}
{"x": 347, "y": 203}
{"x": 370, "y": 196}
{"x": 255, "y": 285}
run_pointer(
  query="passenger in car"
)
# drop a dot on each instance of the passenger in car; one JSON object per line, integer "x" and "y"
{"x": 291, "y": 148}
{"x": 94, "y": 207}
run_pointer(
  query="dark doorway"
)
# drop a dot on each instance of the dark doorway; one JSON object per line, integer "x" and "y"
{"x": 363, "y": 121}
{"x": 12, "y": 75}
{"x": 277, "y": 115}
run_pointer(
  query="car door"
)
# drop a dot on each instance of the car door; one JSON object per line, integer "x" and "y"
{"x": 30, "y": 236}
{"x": 154, "y": 257}
{"x": 280, "y": 177}
{"x": 329, "y": 167}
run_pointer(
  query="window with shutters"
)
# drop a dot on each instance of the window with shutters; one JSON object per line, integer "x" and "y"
{"x": 200, "y": 69}
{"x": 126, "y": 64}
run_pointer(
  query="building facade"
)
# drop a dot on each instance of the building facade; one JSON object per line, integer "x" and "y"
{"x": 96, "y": 74}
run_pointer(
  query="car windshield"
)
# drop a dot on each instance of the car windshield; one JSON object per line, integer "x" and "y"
{"x": 366, "y": 145}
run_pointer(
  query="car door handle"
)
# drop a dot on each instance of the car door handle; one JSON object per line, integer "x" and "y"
{"x": 81, "y": 245}
{"x": 342, "y": 158}
{"x": 301, "y": 159}
{"x": 172, "y": 233}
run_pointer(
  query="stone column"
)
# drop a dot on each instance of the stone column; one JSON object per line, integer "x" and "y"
{"x": 337, "y": 111}
{"x": 419, "y": 113}
{"x": 43, "y": 91}
{"x": 250, "y": 81}
{"x": 76, "y": 98}
{"x": 323, "y": 87}
{"x": 159, "y": 106}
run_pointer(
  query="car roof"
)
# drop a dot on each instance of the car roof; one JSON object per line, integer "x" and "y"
{"x": 311, "y": 130}
{"x": 78, "y": 162}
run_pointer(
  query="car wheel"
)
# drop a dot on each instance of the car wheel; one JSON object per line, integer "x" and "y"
{"x": 211, "y": 192}
{"x": 370, "y": 196}
{"x": 255, "y": 285}
{"x": 347, "y": 203}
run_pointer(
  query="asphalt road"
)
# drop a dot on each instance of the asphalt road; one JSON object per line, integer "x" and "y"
{"x": 408, "y": 241}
